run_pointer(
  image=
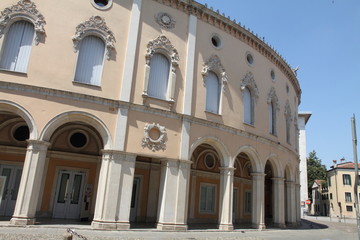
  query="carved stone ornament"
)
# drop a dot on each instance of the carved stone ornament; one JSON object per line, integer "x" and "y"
{"x": 165, "y": 20}
{"x": 96, "y": 25}
{"x": 272, "y": 97}
{"x": 249, "y": 81}
{"x": 163, "y": 45}
{"x": 155, "y": 137}
{"x": 24, "y": 9}
{"x": 288, "y": 111}
{"x": 213, "y": 64}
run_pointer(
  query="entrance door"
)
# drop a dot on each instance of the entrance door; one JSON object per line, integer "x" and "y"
{"x": 13, "y": 176}
{"x": 134, "y": 199}
{"x": 68, "y": 195}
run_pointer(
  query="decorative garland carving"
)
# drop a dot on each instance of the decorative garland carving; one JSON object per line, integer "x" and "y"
{"x": 249, "y": 81}
{"x": 24, "y": 9}
{"x": 97, "y": 25}
{"x": 162, "y": 44}
{"x": 214, "y": 64}
{"x": 272, "y": 97}
{"x": 165, "y": 20}
{"x": 154, "y": 144}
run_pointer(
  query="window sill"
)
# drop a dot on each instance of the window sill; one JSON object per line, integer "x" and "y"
{"x": 249, "y": 124}
{"x": 215, "y": 114}
{"x": 97, "y": 87}
{"x": 24, "y": 74}
{"x": 168, "y": 101}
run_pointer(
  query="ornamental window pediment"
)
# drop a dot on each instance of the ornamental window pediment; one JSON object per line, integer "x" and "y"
{"x": 96, "y": 26}
{"x": 23, "y": 10}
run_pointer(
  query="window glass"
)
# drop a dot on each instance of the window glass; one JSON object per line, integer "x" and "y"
{"x": 212, "y": 93}
{"x": 159, "y": 76}
{"x": 348, "y": 197}
{"x": 248, "y": 202}
{"x": 346, "y": 179}
{"x": 17, "y": 47}
{"x": 247, "y": 101}
{"x": 207, "y": 199}
{"x": 90, "y": 61}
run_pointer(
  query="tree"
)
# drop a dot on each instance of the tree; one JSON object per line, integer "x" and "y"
{"x": 315, "y": 170}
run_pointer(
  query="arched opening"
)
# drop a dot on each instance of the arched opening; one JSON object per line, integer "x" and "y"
{"x": 242, "y": 193}
{"x": 269, "y": 174}
{"x": 145, "y": 193}
{"x": 70, "y": 176}
{"x": 204, "y": 188}
{"x": 14, "y": 132}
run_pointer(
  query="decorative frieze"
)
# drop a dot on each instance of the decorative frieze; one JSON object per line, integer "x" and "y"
{"x": 96, "y": 25}
{"x": 23, "y": 10}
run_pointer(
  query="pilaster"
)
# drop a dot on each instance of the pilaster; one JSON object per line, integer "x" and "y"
{"x": 113, "y": 200}
{"x": 290, "y": 202}
{"x": 29, "y": 189}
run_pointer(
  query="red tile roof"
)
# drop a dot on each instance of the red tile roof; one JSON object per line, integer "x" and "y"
{"x": 348, "y": 165}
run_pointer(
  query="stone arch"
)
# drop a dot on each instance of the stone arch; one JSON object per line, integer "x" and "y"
{"x": 218, "y": 145}
{"x": 22, "y": 112}
{"x": 275, "y": 164}
{"x": 253, "y": 155}
{"x": 288, "y": 173}
{"x": 75, "y": 116}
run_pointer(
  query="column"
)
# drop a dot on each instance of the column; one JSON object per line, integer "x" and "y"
{"x": 153, "y": 192}
{"x": 290, "y": 202}
{"x": 113, "y": 200}
{"x": 297, "y": 203}
{"x": 29, "y": 189}
{"x": 258, "y": 207}
{"x": 278, "y": 202}
{"x": 173, "y": 195}
{"x": 226, "y": 198}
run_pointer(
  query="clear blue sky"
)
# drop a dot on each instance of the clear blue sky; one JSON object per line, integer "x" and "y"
{"x": 323, "y": 38}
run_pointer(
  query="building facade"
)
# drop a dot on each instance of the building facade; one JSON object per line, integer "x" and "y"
{"x": 341, "y": 180}
{"x": 320, "y": 198}
{"x": 163, "y": 112}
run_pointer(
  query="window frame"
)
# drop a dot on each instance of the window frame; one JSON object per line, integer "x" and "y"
{"x": 218, "y": 94}
{"x": 102, "y": 64}
{"x": 346, "y": 179}
{"x": 348, "y": 197}
{"x": 214, "y": 200}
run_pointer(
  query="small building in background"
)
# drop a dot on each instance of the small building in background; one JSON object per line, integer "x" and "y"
{"x": 320, "y": 198}
{"x": 341, "y": 179}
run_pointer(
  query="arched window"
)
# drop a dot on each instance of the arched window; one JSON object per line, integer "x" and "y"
{"x": 90, "y": 61}
{"x": 248, "y": 106}
{"x": 212, "y": 93}
{"x": 288, "y": 120}
{"x": 272, "y": 120}
{"x": 17, "y": 47}
{"x": 159, "y": 76}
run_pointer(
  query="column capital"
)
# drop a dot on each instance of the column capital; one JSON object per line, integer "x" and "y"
{"x": 227, "y": 170}
{"x": 37, "y": 145}
{"x": 111, "y": 154}
{"x": 278, "y": 179}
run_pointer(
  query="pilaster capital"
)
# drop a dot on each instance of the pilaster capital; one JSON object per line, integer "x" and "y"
{"x": 116, "y": 155}
{"x": 278, "y": 179}
{"x": 258, "y": 176}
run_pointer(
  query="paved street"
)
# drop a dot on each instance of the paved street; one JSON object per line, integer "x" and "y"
{"x": 310, "y": 229}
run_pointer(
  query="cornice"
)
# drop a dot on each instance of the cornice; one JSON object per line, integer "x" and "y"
{"x": 236, "y": 30}
{"x": 22, "y": 88}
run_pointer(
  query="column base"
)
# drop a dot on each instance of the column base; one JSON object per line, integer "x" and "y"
{"x": 22, "y": 221}
{"x": 279, "y": 225}
{"x": 291, "y": 224}
{"x": 171, "y": 227}
{"x": 103, "y": 225}
{"x": 258, "y": 226}
{"x": 226, "y": 227}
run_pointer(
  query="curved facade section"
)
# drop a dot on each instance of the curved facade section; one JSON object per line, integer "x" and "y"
{"x": 158, "y": 112}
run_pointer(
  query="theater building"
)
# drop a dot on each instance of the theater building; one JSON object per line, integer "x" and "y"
{"x": 134, "y": 111}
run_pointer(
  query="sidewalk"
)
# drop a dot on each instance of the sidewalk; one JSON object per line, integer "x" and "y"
{"x": 330, "y": 219}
